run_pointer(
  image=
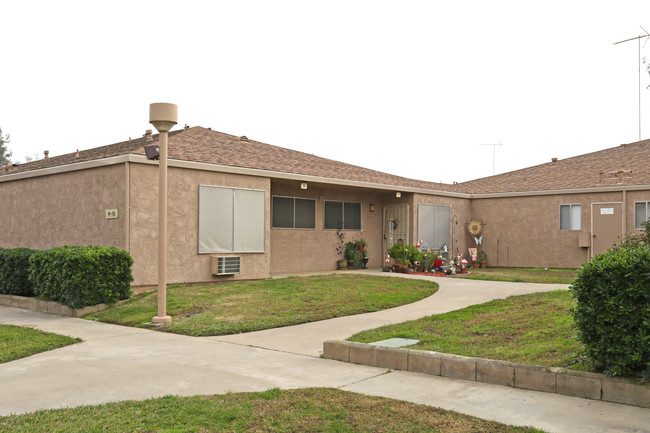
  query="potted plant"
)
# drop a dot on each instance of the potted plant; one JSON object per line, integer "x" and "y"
{"x": 482, "y": 258}
{"x": 353, "y": 255}
{"x": 340, "y": 250}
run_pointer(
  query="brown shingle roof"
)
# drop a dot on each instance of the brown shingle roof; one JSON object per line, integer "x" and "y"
{"x": 626, "y": 164}
{"x": 204, "y": 145}
{"x": 623, "y": 165}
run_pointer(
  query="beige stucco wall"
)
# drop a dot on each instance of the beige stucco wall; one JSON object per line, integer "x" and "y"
{"x": 64, "y": 209}
{"x": 298, "y": 250}
{"x": 184, "y": 263}
{"x": 527, "y": 229}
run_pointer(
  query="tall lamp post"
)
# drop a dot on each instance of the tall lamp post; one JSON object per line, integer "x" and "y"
{"x": 163, "y": 117}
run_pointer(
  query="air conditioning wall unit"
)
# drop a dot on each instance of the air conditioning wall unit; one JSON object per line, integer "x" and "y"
{"x": 225, "y": 265}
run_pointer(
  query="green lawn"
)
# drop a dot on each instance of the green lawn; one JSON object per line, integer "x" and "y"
{"x": 262, "y": 304}
{"x": 18, "y": 342}
{"x": 522, "y": 275}
{"x": 303, "y": 410}
{"x": 532, "y": 329}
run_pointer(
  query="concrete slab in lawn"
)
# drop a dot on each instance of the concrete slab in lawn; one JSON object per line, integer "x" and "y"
{"x": 396, "y": 342}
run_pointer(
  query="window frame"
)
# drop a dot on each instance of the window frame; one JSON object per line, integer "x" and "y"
{"x": 637, "y": 224}
{"x": 343, "y": 203}
{"x": 234, "y": 229}
{"x": 571, "y": 207}
{"x": 294, "y": 213}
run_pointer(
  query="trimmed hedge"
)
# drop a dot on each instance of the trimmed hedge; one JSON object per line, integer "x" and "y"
{"x": 14, "y": 272}
{"x": 613, "y": 310}
{"x": 82, "y": 276}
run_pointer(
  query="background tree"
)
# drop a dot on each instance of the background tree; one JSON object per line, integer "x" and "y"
{"x": 5, "y": 154}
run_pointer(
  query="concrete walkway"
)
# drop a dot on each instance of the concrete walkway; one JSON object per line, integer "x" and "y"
{"x": 118, "y": 363}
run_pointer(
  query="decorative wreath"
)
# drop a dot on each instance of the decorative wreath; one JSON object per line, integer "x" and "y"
{"x": 474, "y": 228}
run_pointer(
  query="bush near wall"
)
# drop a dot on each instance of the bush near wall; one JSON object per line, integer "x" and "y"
{"x": 82, "y": 276}
{"x": 613, "y": 310}
{"x": 14, "y": 272}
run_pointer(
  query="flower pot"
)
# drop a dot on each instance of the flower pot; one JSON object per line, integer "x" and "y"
{"x": 350, "y": 264}
{"x": 342, "y": 264}
{"x": 484, "y": 264}
{"x": 407, "y": 270}
{"x": 476, "y": 265}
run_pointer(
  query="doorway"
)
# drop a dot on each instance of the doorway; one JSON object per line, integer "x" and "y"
{"x": 396, "y": 225}
{"x": 606, "y": 226}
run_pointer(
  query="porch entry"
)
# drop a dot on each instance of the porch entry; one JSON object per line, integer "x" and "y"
{"x": 606, "y": 226}
{"x": 396, "y": 225}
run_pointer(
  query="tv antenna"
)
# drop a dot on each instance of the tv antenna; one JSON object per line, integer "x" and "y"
{"x": 494, "y": 153}
{"x": 638, "y": 39}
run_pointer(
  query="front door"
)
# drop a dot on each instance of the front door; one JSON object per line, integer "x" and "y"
{"x": 607, "y": 226}
{"x": 396, "y": 225}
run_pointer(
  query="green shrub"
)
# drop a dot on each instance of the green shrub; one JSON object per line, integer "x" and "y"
{"x": 81, "y": 276}
{"x": 613, "y": 310}
{"x": 14, "y": 272}
{"x": 405, "y": 254}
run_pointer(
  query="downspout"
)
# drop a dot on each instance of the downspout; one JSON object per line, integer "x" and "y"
{"x": 127, "y": 206}
{"x": 624, "y": 213}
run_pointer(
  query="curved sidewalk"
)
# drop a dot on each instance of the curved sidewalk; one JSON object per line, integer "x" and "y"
{"x": 454, "y": 294}
{"x": 115, "y": 363}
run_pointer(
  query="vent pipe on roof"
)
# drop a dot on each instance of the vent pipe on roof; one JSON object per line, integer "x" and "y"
{"x": 147, "y": 136}
{"x": 47, "y": 154}
{"x": 553, "y": 159}
{"x": 244, "y": 139}
{"x": 76, "y": 155}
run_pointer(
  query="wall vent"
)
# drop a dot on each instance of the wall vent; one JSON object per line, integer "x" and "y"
{"x": 225, "y": 265}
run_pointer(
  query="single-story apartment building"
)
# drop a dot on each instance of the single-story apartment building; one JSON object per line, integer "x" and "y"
{"x": 268, "y": 210}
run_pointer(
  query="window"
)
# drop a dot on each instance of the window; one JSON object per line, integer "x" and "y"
{"x": 433, "y": 225}
{"x": 342, "y": 215}
{"x": 294, "y": 213}
{"x": 641, "y": 214}
{"x": 570, "y": 216}
{"x": 231, "y": 220}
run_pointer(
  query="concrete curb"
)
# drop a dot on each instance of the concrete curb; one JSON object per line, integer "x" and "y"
{"x": 49, "y": 306}
{"x": 555, "y": 380}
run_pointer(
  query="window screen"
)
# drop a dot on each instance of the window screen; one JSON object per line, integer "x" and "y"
{"x": 231, "y": 220}
{"x": 342, "y": 215}
{"x": 641, "y": 214}
{"x": 570, "y": 216}
{"x": 294, "y": 213}
{"x": 433, "y": 225}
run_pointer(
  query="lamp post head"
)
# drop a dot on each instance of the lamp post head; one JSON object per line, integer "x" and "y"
{"x": 163, "y": 116}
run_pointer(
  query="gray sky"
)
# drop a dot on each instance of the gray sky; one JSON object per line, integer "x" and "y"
{"x": 410, "y": 87}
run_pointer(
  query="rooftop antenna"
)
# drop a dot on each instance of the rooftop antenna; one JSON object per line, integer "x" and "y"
{"x": 638, "y": 39}
{"x": 494, "y": 153}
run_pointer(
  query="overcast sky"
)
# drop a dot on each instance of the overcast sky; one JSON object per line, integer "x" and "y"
{"x": 413, "y": 88}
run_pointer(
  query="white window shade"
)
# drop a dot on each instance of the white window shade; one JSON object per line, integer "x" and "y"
{"x": 231, "y": 220}
{"x": 249, "y": 221}
{"x": 433, "y": 225}
{"x": 570, "y": 216}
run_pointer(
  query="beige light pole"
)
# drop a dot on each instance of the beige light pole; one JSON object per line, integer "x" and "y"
{"x": 163, "y": 117}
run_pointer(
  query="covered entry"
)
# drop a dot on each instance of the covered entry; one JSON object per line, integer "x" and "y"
{"x": 606, "y": 226}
